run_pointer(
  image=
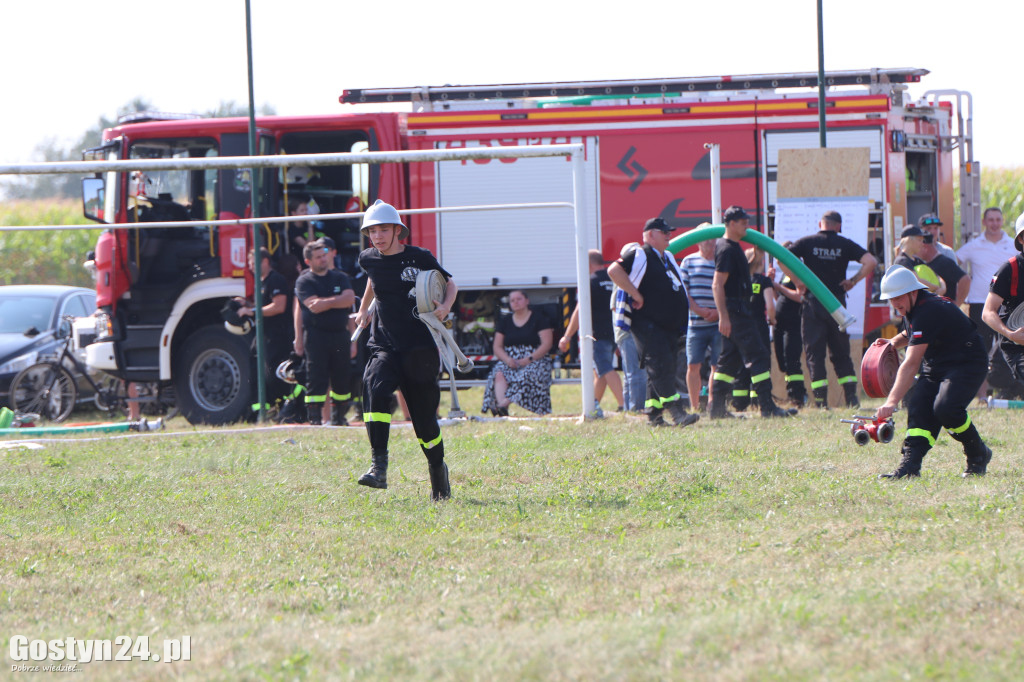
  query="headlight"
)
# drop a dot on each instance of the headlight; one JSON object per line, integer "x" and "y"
{"x": 19, "y": 363}
{"x": 104, "y": 326}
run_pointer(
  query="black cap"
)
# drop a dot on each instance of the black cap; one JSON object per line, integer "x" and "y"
{"x": 327, "y": 243}
{"x": 734, "y": 213}
{"x": 928, "y": 219}
{"x": 911, "y": 231}
{"x": 658, "y": 224}
{"x": 833, "y": 217}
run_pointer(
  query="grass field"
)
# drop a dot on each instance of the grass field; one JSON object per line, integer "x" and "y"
{"x": 603, "y": 551}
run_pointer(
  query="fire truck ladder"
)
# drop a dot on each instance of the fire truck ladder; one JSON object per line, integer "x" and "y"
{"x": 630, "y": 88}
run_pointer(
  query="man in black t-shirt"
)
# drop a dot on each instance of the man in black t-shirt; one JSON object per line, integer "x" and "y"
{"x": 1005, "y": 294}
{"x": 827, "y": 254}
{"x": 652, "y": 278}
{"x": 945, "y": 353}
{"x": 402, "y": 352}
{"x": 604, "y": 334}
{"x": 277, "y": 328}
{"x": 742, "y": 344}
{"x": 325, "y": 296}
{"x": 958, "y": 282}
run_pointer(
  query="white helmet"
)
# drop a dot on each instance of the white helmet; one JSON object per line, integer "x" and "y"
{"x": 382, "y": 213}
{"x": 897, "y": 281}
{"x": 1020, "y": 231}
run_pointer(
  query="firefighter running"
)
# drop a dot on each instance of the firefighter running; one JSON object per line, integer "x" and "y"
{"x": 1006, "y": 294}
{"x": 946, "y": 351}
{"x": 403, "y": 354}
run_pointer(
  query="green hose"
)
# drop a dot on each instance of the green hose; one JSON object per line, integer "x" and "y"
{"x": 782, "y": 254}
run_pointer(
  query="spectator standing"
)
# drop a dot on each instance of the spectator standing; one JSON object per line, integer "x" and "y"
{"x": 605, "y": 375}
{"x": 827, "y": 254}
{"x": 634, "y": 390}
{"x": 702, "y": 335}
{"x": 982, "y": 256}
{"x": 325, "y": 297}
{"x": 651, "y": 277}
{"x": 741, "y": 343}
{"x": 955, "y": 280}
{"x": 930, "y": 224}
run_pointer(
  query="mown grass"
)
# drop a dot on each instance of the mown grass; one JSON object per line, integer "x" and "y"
{"x": 604, "y": 550}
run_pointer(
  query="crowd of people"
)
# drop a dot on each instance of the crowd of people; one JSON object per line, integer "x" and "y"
{"x": 694, "y": 336}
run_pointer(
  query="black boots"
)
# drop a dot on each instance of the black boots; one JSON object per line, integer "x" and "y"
{"x": 313, "y": 411}
{"x": 680, "y": 417}
{"x": 439, "y": 488}
{"x": 978, "y": 457}
{"x": 850, "y": 391}
{"x": 377, "y": 476}
{"x": 767, "y": 403}
{"x": 909, "y": 466}
{"x": 338, "y": 410}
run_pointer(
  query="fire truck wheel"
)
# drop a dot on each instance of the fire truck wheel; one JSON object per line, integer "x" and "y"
{"x": 211, "y": 377}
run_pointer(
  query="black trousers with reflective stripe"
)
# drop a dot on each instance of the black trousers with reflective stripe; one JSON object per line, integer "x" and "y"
{"x": 415, "y": 373}
{"x": 788, "y": 349}
{"x": 940, "y": 399}
{"x": 821, "y": 333}
{"x": 328, "y": 363}
{"x": 659, "y": 353}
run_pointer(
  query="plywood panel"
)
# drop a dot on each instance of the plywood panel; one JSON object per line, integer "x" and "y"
{"x": 824, "y": 172}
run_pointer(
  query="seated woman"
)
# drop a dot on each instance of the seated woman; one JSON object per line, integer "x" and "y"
{"x": 522, "y": 374}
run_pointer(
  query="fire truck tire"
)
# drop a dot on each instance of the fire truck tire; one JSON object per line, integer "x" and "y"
{"x": 211, "y": 377}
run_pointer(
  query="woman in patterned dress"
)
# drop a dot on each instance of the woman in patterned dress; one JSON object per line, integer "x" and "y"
{"x": 522, "y": 374}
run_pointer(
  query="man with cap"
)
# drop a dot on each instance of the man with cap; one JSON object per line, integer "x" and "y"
{"x": 651, "y": 277}
{"x": 945, "y": 353}
{"x": 402, "y": 353}
{"x": 930, "y": 224}
{"x": 827, "y": 254}
{"x": 325, "y": 297}
{"x": 1005, "y": 295}
{"x": 742, "y": 344}
{"x": 955, "y": 280}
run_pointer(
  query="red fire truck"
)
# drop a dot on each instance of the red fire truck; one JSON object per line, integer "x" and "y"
{"x": 160, "y": 290}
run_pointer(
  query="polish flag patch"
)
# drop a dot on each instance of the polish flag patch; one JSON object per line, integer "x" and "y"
{"x": 917, "y": 335}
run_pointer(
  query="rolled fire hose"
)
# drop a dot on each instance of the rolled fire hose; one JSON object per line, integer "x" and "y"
{"x": 1016, "y": 319}
{"x": 878, "y": 368}
{"x": 430, "y": 286}
{"x": 842, "y": 317}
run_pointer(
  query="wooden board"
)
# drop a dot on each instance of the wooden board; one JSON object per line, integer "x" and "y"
{"x": 823, "y": 172}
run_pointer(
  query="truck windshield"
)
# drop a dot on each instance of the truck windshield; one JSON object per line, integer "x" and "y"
{"x": 173, "y": 194}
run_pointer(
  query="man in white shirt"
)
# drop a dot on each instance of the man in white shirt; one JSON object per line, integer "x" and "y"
{"x": 982, "y": 256}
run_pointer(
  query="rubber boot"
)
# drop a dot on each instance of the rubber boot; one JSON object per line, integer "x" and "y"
{"x": 680, "y": 417}
{"x": 821, "y": 398}
{"x": 377, "y": 476}
{"x": 978, "y": 456}
{"x": 767, "y": 403}
{"x": 722, "y": 390}
{"x": 313, "y": 411}
{"x": 439, "y": 487}
{"x": 655, "y": 417}
{"x": 338, "y": 411}
{"x": 850, "y": 390}
{"x": 909, "y": 466}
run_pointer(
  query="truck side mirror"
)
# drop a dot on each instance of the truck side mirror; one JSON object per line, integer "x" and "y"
{"x": 93, "y": 198}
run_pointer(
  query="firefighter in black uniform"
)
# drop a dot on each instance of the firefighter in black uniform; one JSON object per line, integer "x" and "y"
{"x": 402, "y": 353}
{"x": 325, "y": 297}
{"x": 652, "y": 278}
{"x": 827, "y": 253}
{"x": 945, "y": 351}
{"x": 787, "y": 339}
{"x": 277, "y": 326}
{"x": 742, "y": 344}
{"x": 1005, "y": 294}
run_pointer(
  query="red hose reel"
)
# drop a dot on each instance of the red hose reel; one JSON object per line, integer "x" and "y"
{"x": 878, "y": 368}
